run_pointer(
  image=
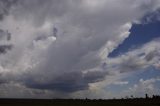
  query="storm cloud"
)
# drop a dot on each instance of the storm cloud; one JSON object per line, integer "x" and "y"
{"x": 86, "y": 32}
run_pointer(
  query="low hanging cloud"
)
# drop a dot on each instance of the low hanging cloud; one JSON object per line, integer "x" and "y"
{"x": 144, "y": 86}
{"x": 86, "y": 32}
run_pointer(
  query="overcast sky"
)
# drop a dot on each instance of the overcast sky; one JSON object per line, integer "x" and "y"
{"x": 79, "y": 48}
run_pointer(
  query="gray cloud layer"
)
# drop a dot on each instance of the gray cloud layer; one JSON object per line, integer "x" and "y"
{"x": 88, "y": 30}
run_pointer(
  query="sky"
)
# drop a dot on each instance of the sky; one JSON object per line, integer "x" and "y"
{"x": 97, "y": 49}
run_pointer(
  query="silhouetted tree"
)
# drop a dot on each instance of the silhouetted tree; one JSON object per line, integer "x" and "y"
{"x": 132, "y": 96}
{"x": 146, "y": 96}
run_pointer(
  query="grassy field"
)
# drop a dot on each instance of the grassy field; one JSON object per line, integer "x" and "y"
{"x": 78, "y": 102}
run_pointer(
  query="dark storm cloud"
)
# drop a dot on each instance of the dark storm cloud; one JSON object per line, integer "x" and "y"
{"x": 68, "y": 82}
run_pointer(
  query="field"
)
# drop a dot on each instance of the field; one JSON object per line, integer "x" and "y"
{"x": 80, "y": 102}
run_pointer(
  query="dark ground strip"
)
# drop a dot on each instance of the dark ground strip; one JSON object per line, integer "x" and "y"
{"x": 80, "y": 102}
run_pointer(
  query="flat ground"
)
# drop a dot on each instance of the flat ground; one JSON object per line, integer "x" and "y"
{"x": 77, "y": 102}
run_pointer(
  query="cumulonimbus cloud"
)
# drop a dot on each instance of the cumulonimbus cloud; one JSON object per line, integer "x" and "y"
{"x": 87, "y": 31}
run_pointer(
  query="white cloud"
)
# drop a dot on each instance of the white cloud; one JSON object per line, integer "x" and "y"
{"x": 137, "y": 59}
{"x": 144, "y": 86}
{"x": 127, "y": 64}
{"x": 121, "y": 83}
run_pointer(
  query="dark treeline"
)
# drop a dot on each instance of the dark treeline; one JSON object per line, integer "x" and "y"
{"x": 130, "y": 101}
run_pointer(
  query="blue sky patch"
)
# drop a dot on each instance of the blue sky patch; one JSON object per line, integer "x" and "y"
{"x": 140, "y": 34}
